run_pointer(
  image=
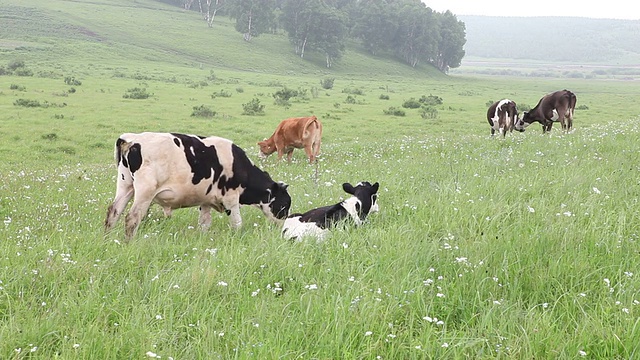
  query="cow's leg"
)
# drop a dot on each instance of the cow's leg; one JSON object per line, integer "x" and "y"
{"x": 124, "y": 193}
{"x": 235, "y": 220}
{"x": 205, "y": 217}
{"x": 141, "y": 202}
{"x": 316, "y": 148}
{"x": 289, "y": 155}
{"x": 280, "y": 153}
{"x": 309, "y": 151}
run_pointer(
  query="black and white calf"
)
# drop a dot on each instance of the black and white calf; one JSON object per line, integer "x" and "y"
{"x": 177, "y": 171}
{"x": 502, "y": 116}
{"x": 317, "y": 222}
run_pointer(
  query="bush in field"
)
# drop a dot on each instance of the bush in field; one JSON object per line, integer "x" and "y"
{"x": 384, "y": 97}
{"x": 136, "y": 93}
{"x": 70, "y": 80}
{"x": 411, "y": 104}
{"x": 353, "y": 91}
{"x": 253, "y": 107}
{"x": 350, "y": 99}
{"x": 3, "y": 71}
{"x": 430, "y": 100}
{"x": 428, "y": 112}
{"x": 17, "y": 87}
{"x": 14, "y": 65}
{"x": 221, "y": 93}
{"x": 28, "y": 103}
{"x": 394, "y": 111}
{"x": 582, "y": 107}
{"x": 327, "y": 83}
{"x": 203, "y": 111}
{"x": 23, "y": 72}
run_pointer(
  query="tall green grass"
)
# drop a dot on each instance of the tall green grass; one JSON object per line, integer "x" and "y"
{"x": 523, "y": 247}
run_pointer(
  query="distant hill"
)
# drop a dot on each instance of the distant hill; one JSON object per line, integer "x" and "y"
{"x": 554, "y": 39}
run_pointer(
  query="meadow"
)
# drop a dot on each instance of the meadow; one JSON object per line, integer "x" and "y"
{"x": 523, "y": 247}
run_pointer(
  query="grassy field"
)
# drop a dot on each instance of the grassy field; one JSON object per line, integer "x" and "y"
{"x": 524, "y": 247}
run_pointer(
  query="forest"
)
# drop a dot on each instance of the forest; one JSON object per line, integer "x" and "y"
{"x": 407, "y": 30}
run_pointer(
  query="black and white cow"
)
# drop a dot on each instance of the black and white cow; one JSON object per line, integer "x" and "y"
{"x": 317, "y": 222}
{"x": 502, "y": 116}
{"x": 556, "y": 106}
{"x": 177, "y": 171}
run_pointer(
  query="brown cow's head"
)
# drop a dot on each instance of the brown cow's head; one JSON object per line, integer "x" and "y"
{"x": 266, "y": 148}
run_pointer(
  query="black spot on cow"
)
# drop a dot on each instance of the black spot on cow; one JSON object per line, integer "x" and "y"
{"x": 134, "y": 157}
{"x": 119, "y": 158}
{"x": 202, "y": 159}
{"x": 176, "y": 141}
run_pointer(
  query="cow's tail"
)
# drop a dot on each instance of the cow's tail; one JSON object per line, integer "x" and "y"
{"x": 313, "y": 120}
{"x": 572, "y": 103}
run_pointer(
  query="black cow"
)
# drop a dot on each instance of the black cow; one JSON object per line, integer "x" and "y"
{"x": 317, "y": 222}
{"x": 502, "y": 116}
{"x": 556, "y": 106}
{"x": 177, "y": 171}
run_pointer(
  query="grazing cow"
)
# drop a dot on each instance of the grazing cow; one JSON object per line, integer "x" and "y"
{"x": 317, "y": 222}
{"x": 502, "y": 116}
{"x": 556, "y": 106}
{"x": 298, "y": 133}
{"x": 177, "y": 171}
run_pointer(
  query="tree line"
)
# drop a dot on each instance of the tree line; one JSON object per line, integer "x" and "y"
{"x": 407, "y": 29}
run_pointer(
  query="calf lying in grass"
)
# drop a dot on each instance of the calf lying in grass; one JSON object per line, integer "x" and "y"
{"x": 317, "y": 222}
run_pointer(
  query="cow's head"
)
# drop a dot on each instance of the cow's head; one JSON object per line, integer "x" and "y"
{"x": 267, "y": 148}
{"x": 277, "y": 202}
{"x": 367, "y": 196}
{"x": 523, "y": 122}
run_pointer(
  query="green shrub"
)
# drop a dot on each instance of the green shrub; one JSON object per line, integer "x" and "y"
{"x": 23, "y": 72}
{"x": 327, "y": 83}
{"x": 353, "y": 91}
{"x": 136, "y": 93}
{"x": 285, "y": 94}
{"x": 70, "y": 80}
{"x": 203, "y": 111}
{"x": 17, "y": 87}
{"x": 15, "y": 64}
{"x": 411, "y": 104}
{"x": 221, "y": 93}
{"x": 239, "y": 90}
{"x": 428, "y": 112}
{"x": 430, "y": 100}
{"x": 582, "y": 107}
{"x": 28, "y": 103}
{"x": 50, "y": 136}
{"x": 384, "y": 97}
{"x": 394, "y": 111}
{"x": 350, "y": 99}
{"x": 253, "y": 107}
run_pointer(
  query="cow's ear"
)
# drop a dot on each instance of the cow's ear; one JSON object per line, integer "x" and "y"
{"x": 348, "y": 188}
{"x": 375, "y": 187}
{"x": 283, "y": 186}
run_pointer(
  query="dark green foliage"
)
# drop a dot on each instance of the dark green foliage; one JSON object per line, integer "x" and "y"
{"x": 15, "y": 65}
{"x": 23, "y": 72}
{"x": 50, "y": 136}
{"x": 239, "y": 90}
{"x": 350, "y": 99}
{"x": 411, "y": 104}
{"x": 136, "y": 93}
{"x": 221, "y": 93}
{"x": 430, "y": 100}
{"x": 384, "y": 97}
{"x": 285, "y": 94}
{"x": 3, "y": 71}
{"x": 327, "y": 83}
{"x": 253, "y": 107}
{"x": 36, "y": 103}
{"x": 253, "y": 17}
{"x": 582, "y": 107}
{"x": 428, "y": 112}
{"x": 17, "y": 87}
{"x": 72, "y": 90}
{"x": 354, "y": 91}
{"x": 203, "y": 111}
{"x": 70, "y": 80}
{"x": 394, "y": 111}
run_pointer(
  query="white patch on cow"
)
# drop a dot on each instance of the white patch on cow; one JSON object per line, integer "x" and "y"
{"x": 350, "y": 206}
{"x": 295, "y": 229}
{"x": 555, "y": 115}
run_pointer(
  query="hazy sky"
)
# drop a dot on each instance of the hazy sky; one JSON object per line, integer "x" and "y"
{"x": 610, "y": 9}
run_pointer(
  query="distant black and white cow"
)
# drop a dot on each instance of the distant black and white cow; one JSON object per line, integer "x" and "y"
{"x": 177, "y": 171}
{"x": 556, "y": 106}
{"x": 502, "y": 116}
{"x": 317, "y": 222}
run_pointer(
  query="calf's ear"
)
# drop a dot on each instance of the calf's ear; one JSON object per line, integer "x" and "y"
{"x": 375, "y": 187}
{"x": 348, "y": 188}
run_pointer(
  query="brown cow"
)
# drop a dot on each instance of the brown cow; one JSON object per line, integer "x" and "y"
{"x": 556, "y": 106}
{"x": 294, "y": 133}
